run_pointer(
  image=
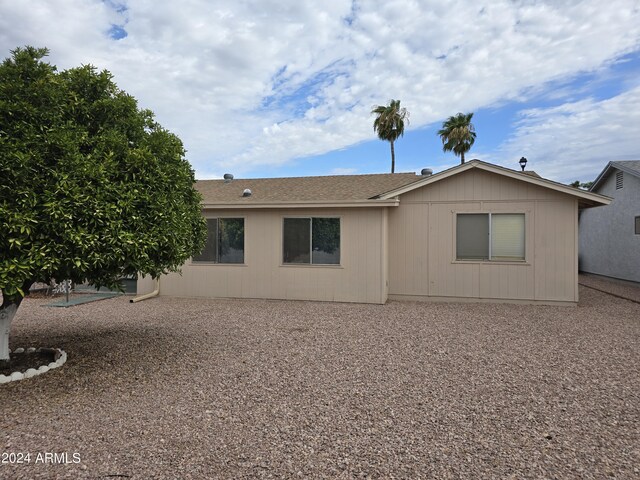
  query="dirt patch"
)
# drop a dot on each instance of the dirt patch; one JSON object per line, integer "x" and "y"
{"x": 21, "y": 362}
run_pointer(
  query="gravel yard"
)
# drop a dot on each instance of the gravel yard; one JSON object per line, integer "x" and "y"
{"x": 184, "y": 388}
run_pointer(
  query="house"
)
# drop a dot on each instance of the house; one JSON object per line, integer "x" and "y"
{"x": 610, "y": 236}
{"x": 475, "y": 232}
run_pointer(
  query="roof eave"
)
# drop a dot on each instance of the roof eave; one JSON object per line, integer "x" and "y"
{"x": 605, "y": 173}
{"x": 303, "y": 204}
{"x": 587, "y": 199}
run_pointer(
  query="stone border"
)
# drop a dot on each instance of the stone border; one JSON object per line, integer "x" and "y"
{"x": 60, "y": 357}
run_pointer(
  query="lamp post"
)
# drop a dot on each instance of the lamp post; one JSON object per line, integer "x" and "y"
{"x": 523, "y": 162}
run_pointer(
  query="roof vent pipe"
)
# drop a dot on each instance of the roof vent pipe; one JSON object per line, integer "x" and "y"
{"x": 246, "y": 192}
{"x": 227, "y": 177}
{"x": 426, "y": 172}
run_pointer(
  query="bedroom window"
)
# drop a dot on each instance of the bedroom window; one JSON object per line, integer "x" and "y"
{"x": 490, "y": 236}
{"x": 312, "y": 241}
{"x": 225, "y": 241}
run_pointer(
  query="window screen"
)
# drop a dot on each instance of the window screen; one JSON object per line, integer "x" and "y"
{"x": 472, "y": 236}
{"x": 297, "y": 240}
{"x": 209, "y": 254}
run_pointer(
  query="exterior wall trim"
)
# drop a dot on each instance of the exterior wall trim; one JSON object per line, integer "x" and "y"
{"x": 303, "y": 204}
{"x": 589, "y": 199}
{"x": 427, "y": 298}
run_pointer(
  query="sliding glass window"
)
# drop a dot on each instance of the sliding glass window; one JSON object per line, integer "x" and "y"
{"x": 312, "y": 241}
{"x": 490, "y": 236}
{"x": 225, "y": 241}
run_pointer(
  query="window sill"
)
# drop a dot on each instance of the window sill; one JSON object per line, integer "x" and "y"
{"x": 310, "y": 265}
{"x": 216, "y": 264}
{"x": 493, "y": 262}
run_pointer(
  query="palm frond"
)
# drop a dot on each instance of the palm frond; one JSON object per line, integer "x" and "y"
{"x": 458, "y": 134}
{"x": 389, "y": 123}
{"x": 390, "y": 120}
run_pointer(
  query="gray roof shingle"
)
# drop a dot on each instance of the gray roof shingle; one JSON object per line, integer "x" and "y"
{"x": 302, "y": 189}
{"x": 629, "y": 164}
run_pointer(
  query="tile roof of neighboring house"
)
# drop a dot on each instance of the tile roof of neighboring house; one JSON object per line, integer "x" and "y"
{"x": 338, "y": 188}
{"x": 630, "y": 166}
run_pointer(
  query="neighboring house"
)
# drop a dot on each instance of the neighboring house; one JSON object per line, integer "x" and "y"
{"x": 610, "y": 236}
{"x": 475, "y": 232}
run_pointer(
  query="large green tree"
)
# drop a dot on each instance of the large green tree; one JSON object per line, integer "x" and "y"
{"x": 389, "y": 124}
{"x": 458, "y": 134}
{"x": 91, "y": 189}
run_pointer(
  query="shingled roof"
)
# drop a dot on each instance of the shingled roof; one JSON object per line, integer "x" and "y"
{"x": 331, "y": 188}
{"x": 631, "y": 167}
{"x": 380, "y": 189}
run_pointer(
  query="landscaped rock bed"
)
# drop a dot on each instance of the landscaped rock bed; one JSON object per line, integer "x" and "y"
{"x": 30, "y": 362}
{"x": 189, "y": 388}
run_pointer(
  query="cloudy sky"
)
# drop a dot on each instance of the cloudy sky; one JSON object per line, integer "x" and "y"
{"x": 263, "y": 88}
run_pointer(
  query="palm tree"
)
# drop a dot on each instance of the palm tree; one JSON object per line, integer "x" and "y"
{"x": 389, "y": 124}
{"x": 458, "y": 134}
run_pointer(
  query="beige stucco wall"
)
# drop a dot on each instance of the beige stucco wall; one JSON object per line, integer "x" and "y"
{"x": 421, "y": 255}
{"x": 359, "y": 278}
{"x": 145, "y": 285}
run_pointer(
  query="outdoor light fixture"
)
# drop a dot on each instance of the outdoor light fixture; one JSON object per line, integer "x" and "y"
{"x": 523, "y": 162}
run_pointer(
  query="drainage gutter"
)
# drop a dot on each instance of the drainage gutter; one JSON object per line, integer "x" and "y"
{"x": 147, "y": 295}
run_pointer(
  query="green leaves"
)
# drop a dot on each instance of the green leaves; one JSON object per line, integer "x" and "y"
{"x": 93, "y": 188}
{"x": 389, "y": 124}
{"x": 390, "y": 120}
{"x": 458, "y": 134}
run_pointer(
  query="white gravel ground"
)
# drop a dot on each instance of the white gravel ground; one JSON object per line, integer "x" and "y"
{"x": 184, "y": 388}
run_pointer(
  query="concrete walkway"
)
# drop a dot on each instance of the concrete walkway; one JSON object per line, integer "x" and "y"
{"x": 80, "y": 299}
{"x": 612, "y": 286}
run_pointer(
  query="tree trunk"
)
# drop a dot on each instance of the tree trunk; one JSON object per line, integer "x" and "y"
{"x": 393, "y": 158}
{"x": 7, "y": 312}
{"x": 461, "y": 158}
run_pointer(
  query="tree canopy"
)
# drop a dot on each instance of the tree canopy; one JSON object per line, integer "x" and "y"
{"x": 389, "y": 124}
{"x": 458, "y": 134}
{"x": 92, "y": 187}
{"x": 579, "y": 184}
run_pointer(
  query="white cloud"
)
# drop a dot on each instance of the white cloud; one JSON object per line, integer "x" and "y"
{"x": 575, "y": 139}
{"x": 254, "y": 84}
